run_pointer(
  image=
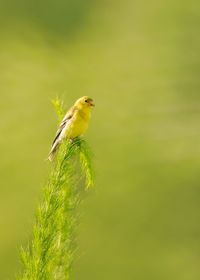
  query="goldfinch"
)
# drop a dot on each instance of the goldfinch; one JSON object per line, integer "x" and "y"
{"x": 74, "y": 124}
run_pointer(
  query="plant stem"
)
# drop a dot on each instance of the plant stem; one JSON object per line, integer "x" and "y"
{"x": 50, "y": 254}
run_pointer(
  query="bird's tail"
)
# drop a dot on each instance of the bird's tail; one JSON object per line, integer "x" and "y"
{"x": 53, "y": 150}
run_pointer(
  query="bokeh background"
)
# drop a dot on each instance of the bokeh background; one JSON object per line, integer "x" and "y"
{"x": 140, "y": 61}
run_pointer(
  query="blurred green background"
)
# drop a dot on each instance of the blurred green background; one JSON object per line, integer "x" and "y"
{"x": 140, "y": 61}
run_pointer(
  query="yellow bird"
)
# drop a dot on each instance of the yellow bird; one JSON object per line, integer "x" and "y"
{"x": 74, "y": 124}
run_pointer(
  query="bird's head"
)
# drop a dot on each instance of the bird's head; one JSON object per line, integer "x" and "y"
{"x": 84, "y": 102}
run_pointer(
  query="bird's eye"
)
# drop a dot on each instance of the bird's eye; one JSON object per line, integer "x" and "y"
{"x": 86, "y": 100}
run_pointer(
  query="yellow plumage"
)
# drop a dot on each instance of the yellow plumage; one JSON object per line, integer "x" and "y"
{"x": 74, "y": 124}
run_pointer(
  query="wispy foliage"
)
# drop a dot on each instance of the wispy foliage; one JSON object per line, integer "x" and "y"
{"x": 50, "y": 254}
{"x": 58, "y": 104}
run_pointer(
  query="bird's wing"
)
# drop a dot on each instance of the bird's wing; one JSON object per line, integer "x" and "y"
{"x": 67, "y": 117}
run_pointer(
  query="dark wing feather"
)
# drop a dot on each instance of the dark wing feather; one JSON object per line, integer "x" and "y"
{"x": 67, "y": 117}
{"x": 62, "y": 125}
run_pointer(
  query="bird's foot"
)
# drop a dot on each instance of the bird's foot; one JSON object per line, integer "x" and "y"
{"x": 75, "y": 141}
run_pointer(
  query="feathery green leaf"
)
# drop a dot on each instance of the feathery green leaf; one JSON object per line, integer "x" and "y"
{"x": 50, "y": 254}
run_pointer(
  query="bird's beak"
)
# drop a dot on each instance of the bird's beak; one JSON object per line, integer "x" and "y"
{"x": 92, "y": 104}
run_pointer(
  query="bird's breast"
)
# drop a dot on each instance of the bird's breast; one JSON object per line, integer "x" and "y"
{"x": 78, "y": 125}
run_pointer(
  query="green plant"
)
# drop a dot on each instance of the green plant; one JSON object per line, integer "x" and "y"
{"x": 50, "y": 253}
